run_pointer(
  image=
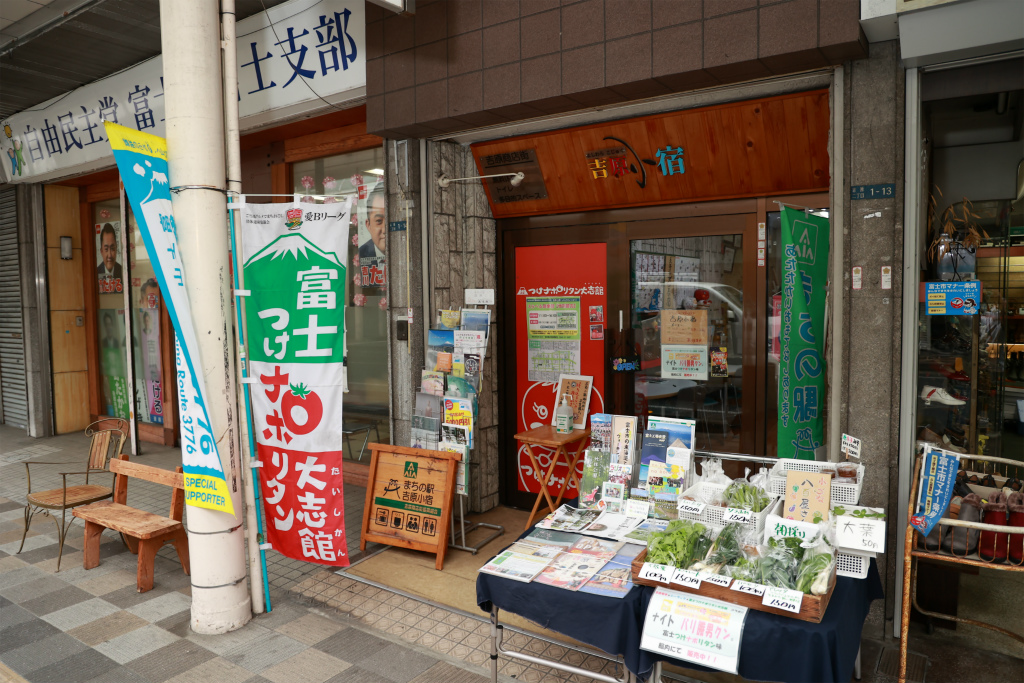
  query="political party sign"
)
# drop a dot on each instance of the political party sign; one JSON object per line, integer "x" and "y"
{"x": 142, "y": 161}
{"x": 805, "y": 244}
{"x": 293, "y": 259}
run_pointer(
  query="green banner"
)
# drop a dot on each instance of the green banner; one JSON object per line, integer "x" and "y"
{"x": 802, "y": 361}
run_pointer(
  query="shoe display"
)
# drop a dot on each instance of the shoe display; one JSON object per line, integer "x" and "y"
{"x": 1015, "y": 507}
{"x": 950, "y": 446}
{"x": 993, "y": 546}
{"x": 928, "y": 435}
{"x": 930, "y": 393}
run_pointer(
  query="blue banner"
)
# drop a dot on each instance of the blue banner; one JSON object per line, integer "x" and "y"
{"x": 952, "y": 298}
{"x": 142, "y": 161}
{"x": 938, "y": 475}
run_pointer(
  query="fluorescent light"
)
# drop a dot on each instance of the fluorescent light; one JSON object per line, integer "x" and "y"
{"x": 375, "y": 171}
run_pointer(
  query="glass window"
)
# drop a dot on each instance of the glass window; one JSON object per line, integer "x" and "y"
{"x": 146, "y": 341}
{"x": 110, "y": 280}
{"x": 687, "y": 310}
{"x": 366, "y": 319}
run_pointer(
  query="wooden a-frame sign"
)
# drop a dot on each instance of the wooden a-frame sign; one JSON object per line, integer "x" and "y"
{"x": 409, "y": 498}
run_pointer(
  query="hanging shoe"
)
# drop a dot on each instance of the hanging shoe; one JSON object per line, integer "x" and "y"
{"x": 930, "y": 393}
{"x": 993, "y": 545}
{"x": 950, "y": 446}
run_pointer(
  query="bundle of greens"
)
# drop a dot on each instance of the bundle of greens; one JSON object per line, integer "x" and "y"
{"x": 743, "y": 494}
{"x": 726, "y": 550}
{"x": 680, "y": 545}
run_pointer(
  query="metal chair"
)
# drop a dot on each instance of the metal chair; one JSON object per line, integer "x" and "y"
{"x": 104, "y": 445}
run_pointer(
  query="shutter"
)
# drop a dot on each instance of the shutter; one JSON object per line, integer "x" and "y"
{"x": 13, "y": 393}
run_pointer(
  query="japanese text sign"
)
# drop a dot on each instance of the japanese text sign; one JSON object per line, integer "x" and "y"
{"x": 694, "y": 628}
{"x": 294, "y": 269}
{"x": 142, "y": 160}
{"x": 409, "y": 498}
{"x": 807, "y": 496}
{"x": 938, "y": 475}
{"x": 684, "y": 327}
{"x": 307, "y": 51}
{"x": 860, "y": 528}
{"x": 553, "y": 317}
{"x": 952, "y": 298}
{"x": 684, "y": 361}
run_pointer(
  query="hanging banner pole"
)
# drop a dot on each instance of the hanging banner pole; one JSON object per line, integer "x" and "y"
{"x": 251, "y": 477}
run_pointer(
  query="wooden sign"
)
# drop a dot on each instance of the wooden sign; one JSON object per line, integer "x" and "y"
{"x": 756, "y": 148}
{"x": 684, "y": 327}
{"x": 807, "y": 496}
{"x": 409, "y": 498}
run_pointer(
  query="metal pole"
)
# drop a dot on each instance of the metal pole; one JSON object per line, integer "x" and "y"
{"x": 193, "y": 94}
{"x": 257, "y": 557}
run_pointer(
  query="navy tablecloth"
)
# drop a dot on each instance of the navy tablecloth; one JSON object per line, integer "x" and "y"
{"x": 774, "y": 648}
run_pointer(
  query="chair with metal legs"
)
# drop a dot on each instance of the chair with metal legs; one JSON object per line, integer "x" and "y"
{"x": 104, "y": 445}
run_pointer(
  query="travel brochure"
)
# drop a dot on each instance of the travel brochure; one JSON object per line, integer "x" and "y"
{"x": 569, "y": 561}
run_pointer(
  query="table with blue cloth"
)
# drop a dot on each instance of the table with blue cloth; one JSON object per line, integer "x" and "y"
{"x": 774, "y": 648}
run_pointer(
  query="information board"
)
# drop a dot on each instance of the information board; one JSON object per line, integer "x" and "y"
{"x": 409, "y": 498}
{"x": 694, "y": 629}
{"x": 952, "y": 298}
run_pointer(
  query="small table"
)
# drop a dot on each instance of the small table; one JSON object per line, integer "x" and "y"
{"x": 547, "y": 437}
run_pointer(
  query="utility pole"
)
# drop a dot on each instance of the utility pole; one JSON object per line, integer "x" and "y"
{"x": 193, "y": 100}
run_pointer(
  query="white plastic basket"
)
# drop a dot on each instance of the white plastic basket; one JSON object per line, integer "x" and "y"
{"x": 714, "y": 515}
{"x": 842, "y": 493}
{"x": 853, "y": 563}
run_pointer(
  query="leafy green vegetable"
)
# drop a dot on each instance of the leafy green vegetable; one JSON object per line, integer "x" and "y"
{"x": 726, "y": 549}
{"x": 742, "y": 494}
{"x": 680, "y": 545}
{"x": 809, "y": 570}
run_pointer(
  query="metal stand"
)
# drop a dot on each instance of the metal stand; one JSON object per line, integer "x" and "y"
{"x": 462, "y": 530}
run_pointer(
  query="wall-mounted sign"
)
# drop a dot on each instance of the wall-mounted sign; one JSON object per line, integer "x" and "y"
{"x": 522, "y": 161}
{"x": 320, "y": 40}
{"x": 769, "y": 146}
{"x": 952, "y": 298}
{"x": 886, "y": 190}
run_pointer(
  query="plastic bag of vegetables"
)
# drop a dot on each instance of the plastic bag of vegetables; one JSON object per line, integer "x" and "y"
{"x": 680, "y": 545}
{"x": 743, "y": 494}
{"x": 815, "y": 568}
{"x": 733, "y": 544}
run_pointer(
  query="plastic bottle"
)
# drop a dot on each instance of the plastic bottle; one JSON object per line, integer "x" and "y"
{"x": 563, "y": 416}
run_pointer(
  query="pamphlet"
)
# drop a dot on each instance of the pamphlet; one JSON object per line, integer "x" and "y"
{"x": 568, "y": 518}
{"x": 613, "y": 525}
{"x": 642, "y": 534}
{"x": 615, "y": 578}
{"x": 440, "y": 347}
{"x": 601, "y": 432}
{"x": 463, "y": 451}
{"x": 423, "y": 432}
{"x": 600, "y": 547}
{"x": 454, "y": 434}
{"x": 459, "y": 411}
{"x": 571, "y": 570}
{"x": 448, "y": 320}
{"x": 623, "y": 438}
{"x": 478, "y": 319}
{"x": 428, "y": 405}
{"x": 563, "y": 539}
{"x": 595, "y": 474}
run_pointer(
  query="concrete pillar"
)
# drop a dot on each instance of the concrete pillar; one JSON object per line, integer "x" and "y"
{"x": 35, "y": 307}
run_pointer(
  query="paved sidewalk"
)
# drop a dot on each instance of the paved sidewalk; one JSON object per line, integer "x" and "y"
{"x": 94, "y": 627}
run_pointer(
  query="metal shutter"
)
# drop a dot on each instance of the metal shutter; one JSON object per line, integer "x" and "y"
{"x": 13, "y": 394}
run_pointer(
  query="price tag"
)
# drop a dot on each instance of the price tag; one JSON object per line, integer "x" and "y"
{"x": 851, "y": 446}
{"x": 782, "y": 598}
{"x": 737, "y": 515}
{"x": 656, "y": 572}
{"x": 691, "y": 507}
{"x": 717, "y": 579}
{"x": 748, "y": 588}
{"x": 637, "y": 508}
{"x": 684, "y": 577}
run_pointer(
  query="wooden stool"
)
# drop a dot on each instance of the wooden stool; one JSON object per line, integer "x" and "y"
{"x": 547, "y": 437}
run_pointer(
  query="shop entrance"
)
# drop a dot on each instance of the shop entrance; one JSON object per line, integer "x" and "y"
{"x": 620, "y": 281}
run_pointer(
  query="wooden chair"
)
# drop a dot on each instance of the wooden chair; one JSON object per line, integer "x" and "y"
{"x": 144, "y": 531}
{"x": 104, "y": 445}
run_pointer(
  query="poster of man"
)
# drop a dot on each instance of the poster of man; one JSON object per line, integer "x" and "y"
{"x": 108, "y": 251}
{"x": 372, "y": 239}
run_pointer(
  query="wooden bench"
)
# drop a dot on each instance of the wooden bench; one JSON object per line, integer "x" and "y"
{"x": 144, "y": 532}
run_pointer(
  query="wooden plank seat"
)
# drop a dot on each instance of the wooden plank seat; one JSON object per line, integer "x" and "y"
{"x": 105, "y": 442}
{"x": 145, "y": 532}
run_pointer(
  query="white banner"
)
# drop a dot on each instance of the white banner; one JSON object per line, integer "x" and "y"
{"x": 313, "y": 47}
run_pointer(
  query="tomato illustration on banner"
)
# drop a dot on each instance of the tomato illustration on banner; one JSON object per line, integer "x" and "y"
{"x": 294, "y": 268}
{"x": 142, "y": 161}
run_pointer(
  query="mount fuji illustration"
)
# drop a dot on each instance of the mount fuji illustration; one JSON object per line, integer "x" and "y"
{"x": 297, "y": 247}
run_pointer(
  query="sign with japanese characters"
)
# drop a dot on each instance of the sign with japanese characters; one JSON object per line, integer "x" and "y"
{"x": 684, "y": 361}
{"x": 953, "y": 298}
{"x": 684, "y": 327}
{"x": 935, "y": 488}
{"x": 860, "y": 528}
{"x": 805, "y": 247}
{"x": 294, "y": 269}
{"x": 142, "y": 160}
{"x": 409, "y": 498}
{"x": 308, "y": 51}
{"x": 694, "y": 629}
{"x": 517, "y": 161}
{"x": 807, "y": 496}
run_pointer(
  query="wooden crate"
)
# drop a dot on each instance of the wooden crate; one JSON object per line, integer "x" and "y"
{"x": 812, "y": 607}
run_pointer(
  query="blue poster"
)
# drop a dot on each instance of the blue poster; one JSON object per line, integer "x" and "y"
{"x": 938, "y": 475}
{"x": 953, "y": 298}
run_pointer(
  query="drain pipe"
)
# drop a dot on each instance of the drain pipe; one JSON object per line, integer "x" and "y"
{"x": 194, "y": 101}
{"x": 257, "y": 558}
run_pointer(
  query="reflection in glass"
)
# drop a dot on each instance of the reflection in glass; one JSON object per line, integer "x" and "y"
{"x": 687, "y": 316}
{"x": 146, "y": 341}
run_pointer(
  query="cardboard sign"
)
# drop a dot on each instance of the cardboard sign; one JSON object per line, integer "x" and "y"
{"x": 684, "y": 327}
{"x": 694, "y": 628}
{"x": 860, "y": 528}
{"x": 807, "y": 496}
{"x": 409, "y": 498}
{"x": 578, "y": 389}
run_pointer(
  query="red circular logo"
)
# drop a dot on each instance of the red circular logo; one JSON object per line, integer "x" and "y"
{"x": 957, "y": 303}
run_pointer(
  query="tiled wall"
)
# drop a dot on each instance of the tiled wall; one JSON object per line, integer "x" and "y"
{"x": 461, "y": 64}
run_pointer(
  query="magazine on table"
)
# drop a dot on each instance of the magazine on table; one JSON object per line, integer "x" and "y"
{"x": 615, "y": 578}
{"x": 642, "y": 533}
{"x": 563, "y": 539}
{"x": 515, "y": 565}
{"x": 613, "y": 525}
{"x": 568, "y": 518}
{"x": 600, "y": 547}
{"x": 571, "y": 570}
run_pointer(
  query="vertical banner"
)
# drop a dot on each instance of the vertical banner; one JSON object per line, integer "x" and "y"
{"x": 294, "y": 268}
{"x": 142, "y": 161}
{"x": 802, "y": 363}
{"x": 938, "y": 475}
